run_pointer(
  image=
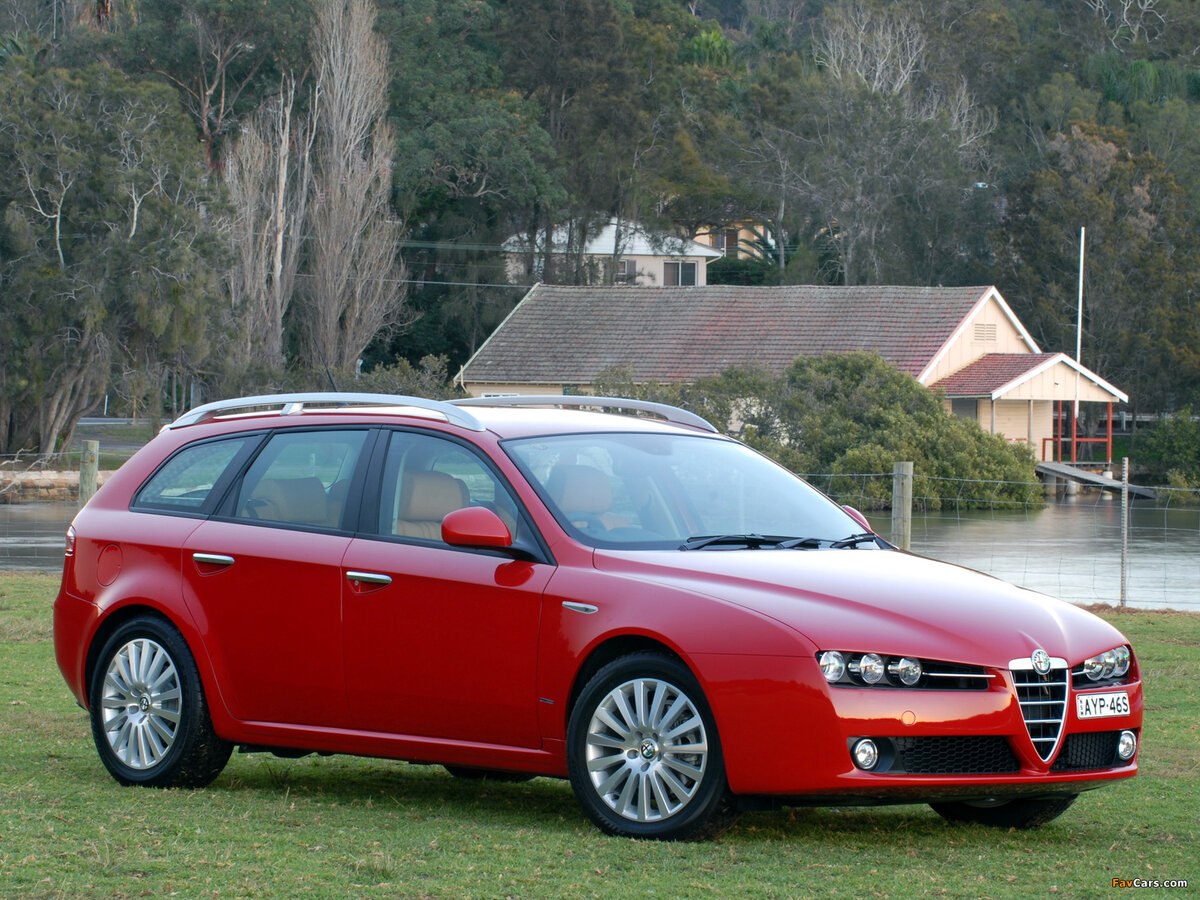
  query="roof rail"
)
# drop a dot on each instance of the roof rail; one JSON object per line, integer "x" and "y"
{"x": 672, "y": 414}
{"x": 291, "y": 404}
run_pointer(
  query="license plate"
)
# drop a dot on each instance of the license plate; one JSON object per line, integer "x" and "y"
{"x": 1097, "y": 706}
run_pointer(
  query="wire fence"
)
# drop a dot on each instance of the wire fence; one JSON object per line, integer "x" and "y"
{"x": 1068, "y": 547}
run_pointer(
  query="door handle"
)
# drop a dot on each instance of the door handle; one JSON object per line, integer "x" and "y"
{"x": 368, "y": 577}
{"x": 213, "y": 559}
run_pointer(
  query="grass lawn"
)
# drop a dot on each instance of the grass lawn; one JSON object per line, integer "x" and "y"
{"x": 341, "y": 827}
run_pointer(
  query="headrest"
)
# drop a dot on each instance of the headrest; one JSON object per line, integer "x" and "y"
{"x": 299, "y": 500}
{"x": 580, "y": 489}
{"x": 429, "y": 496}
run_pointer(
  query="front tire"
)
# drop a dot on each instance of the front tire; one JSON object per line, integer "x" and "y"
{"x": 1020, "y": 813}
{"x": 643, "y": 753}
{"x": 150, "y": 720}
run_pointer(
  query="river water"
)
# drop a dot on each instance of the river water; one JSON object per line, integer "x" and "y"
{"x": 1070, "y": 548}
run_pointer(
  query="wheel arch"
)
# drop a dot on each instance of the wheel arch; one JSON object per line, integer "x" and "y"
{"x": 134, "y": 609}
{"x": 614, "y": 648}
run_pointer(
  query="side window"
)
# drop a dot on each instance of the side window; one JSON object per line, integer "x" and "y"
{"x": 185, "y": 482}
{"x": 425, "y": 478}
{"x": 301, "y": 477}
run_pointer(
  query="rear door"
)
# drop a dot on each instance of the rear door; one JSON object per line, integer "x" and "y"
{"x": 263, "y": 578}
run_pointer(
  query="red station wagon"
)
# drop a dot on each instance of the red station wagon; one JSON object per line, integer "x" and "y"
{"x": 658, "y": 613}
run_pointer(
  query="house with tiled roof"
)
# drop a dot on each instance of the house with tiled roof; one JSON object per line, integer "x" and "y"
{"x": 964, "y": 342}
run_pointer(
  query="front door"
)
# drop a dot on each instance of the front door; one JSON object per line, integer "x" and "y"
{"x": 439, "y": 641}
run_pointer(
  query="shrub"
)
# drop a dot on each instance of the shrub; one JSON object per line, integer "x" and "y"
{"x": 852, "y": 415}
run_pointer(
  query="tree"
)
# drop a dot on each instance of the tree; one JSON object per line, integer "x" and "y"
{"x": 217, "y": 53}
{"x": 471, "y": 153}
{"x": 269, "y": 176}
{"x": 106, "y": 258}
{"x": 888, "y": 160}
{"x": 355, "y": 287}
{"x": 1140, "y": 296}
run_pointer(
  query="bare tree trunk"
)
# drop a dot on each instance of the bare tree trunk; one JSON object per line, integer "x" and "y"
{"x": 268, "y": 178}
{"x": 357, "y": 289}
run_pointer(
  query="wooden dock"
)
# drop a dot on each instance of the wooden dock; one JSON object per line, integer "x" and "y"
{"x": 1068, "y": 472}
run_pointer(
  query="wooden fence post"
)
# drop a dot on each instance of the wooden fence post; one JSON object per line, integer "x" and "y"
{"x": 89, "y": 470}
{"x": 902, "y": 487}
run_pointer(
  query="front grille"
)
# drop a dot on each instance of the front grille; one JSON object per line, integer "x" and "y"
{"x": 990, "y": 755}
{"x": 946, "y": 676}
{"x": 1093, "y": 750}
{"x": 1043, "y": 700}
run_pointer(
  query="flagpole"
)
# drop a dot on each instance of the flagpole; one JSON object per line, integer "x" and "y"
{"x": 1078, "y": 340}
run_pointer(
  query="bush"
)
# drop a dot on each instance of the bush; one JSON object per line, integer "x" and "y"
{"x": 1173, "y": 446}
{"x": 854, "y": 414}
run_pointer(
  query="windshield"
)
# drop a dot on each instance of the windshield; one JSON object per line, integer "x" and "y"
{"x": 655, "y": 491}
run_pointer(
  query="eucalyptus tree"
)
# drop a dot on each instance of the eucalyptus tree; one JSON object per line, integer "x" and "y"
{"x": 470, "y": 150}
{"x": 221, "y": 55}
{"x": 1141, "y": 303}
{"x": 886, "y": 155}
{"x": 605, "y": 79}
{"x": 107, "y": 260}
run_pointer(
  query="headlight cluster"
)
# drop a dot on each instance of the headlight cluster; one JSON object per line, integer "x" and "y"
{"x": 870, "y": 669}
{"x": 1112, "y": 663}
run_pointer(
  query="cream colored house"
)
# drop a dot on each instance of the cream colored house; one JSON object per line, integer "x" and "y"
{"x": 736, "y": 241}
{"x": 964, "y": 342}
{"x": 618, "y": 253}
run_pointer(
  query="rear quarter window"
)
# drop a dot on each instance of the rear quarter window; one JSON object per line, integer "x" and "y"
{"x": 186, "y": 481}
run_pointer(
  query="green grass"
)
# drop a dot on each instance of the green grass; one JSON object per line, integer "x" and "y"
{"x": 342, "y": 827}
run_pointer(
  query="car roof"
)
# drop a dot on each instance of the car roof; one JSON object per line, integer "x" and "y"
{"x": 506, "y": 417}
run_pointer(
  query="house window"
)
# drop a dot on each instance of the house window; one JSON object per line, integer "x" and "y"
{"x": 726, "y": 241}
{"x": 965, "y": 407}
{"x": 679, "y": 273}
{"x": 626, "y": 272}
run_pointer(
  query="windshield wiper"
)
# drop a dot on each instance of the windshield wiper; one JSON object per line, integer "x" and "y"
{"x": 800, "y": 544}
{"x": 755, "y": 541}
{"x": 853, "y": 541}
{"x": 700, "y": 541}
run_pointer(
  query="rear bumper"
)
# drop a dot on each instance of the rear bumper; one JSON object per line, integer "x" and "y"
{"x": 74, "y": 623}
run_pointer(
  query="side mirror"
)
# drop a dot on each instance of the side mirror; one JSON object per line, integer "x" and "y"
{"x": 858, "y": 517}
{"x": 475, "y": 526}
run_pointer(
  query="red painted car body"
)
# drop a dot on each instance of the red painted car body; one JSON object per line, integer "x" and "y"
{"x": 505, "y": 635}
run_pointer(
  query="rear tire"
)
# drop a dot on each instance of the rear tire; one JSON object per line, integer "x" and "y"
{"x": 643, "y": 753}
{"x": 150, "y": 720}
{"x": 1017, "y": 813}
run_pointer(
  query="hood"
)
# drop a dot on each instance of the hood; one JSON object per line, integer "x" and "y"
{"x": 884, "y": 601}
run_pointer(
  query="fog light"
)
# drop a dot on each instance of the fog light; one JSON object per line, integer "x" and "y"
{"x": 1127, "y": 745}
{"x": 833, "y": 665}
{"x": 870, "y": 668}
{"x": 866, "y": 754}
